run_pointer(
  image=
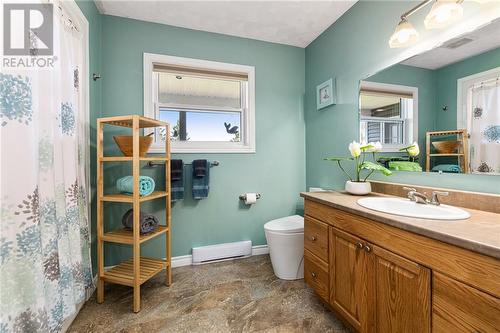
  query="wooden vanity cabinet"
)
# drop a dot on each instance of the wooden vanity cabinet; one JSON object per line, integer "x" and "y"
{"x": 376, "y": 285}
{"x": 376, "y": 290}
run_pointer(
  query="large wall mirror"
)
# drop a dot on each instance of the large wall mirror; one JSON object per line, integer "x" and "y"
{"x": 446, "y": 99}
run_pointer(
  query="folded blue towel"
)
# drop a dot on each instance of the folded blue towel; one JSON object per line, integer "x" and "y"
{"x": 200, "y": 184}
{"x": 126, "y": 185}
{"x": 176, "y": 180}
{"x": 452, "y": 168}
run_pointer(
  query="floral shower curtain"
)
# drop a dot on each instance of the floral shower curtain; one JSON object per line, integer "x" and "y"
{"x": 45, "y": 267}
{"x": 484, "y": 128}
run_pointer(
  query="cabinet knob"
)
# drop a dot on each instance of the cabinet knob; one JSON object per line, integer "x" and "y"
{"x": 359, "y": 245}
{"x": 368, "y": 248}
{"x": 313, "y": 238}
{"x": 313, "y": 274}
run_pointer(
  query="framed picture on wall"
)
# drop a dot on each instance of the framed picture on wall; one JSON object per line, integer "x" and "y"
{"x": 325, "y": 94}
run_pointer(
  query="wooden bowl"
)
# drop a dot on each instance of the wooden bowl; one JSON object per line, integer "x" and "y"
{"x": 125, "y": 144}
{"x": 446, "y": 147}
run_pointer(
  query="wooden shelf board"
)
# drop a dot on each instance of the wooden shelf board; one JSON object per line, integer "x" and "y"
{"x": 446, "y": 155}
{"x": 120, "y": 197}
{"x": 129, "y": 158}
{"x": 439, "y": 133}
{"x": 127, "y": 121}
{"x": 124, "y": 273}
{"x": 125, "y": 236}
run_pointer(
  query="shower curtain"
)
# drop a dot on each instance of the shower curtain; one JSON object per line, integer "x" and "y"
{"x": 484, "y": 128}
{"x": 45, "y": 267}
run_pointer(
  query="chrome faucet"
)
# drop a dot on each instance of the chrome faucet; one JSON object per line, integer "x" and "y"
{"x": 421, "y": 198}
{"x": 435, "y": 197}
{"x": 413, "y": 195}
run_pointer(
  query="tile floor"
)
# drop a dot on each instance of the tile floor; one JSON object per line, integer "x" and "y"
{"x": 232, "y": 296}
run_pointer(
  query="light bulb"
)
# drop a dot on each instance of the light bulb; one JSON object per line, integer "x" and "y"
{"x": 404, "y": 35}
{"x": 443, "y": 13}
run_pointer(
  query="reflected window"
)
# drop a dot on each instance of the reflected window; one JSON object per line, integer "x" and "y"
{"x": 386, "y": 117}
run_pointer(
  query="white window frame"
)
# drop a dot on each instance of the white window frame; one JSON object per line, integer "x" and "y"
{"x": 463, "y": 86}
{"x": 151, "y": 108}
{"x": 391, "y": 88}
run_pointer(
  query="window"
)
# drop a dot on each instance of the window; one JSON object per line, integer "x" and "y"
{"x": 388, "y": 114}
{"x": 209, "y": 105}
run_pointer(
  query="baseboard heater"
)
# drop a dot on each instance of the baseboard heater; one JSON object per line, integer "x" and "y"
{"x": 219, "y": 252}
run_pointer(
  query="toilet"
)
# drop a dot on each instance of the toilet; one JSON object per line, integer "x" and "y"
{"x": 285, "y": 238}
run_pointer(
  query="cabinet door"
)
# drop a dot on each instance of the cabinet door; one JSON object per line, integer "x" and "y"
{"x": 402, "y": 300}
{"x": 349, "y": 280}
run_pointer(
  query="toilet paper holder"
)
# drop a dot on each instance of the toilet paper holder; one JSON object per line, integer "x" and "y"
{"x": 244, "y": 196}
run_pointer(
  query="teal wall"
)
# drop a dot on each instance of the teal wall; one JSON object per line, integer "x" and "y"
{"x": 95, "y": 65}
{"x": 276, "y": 170}
{"x": 354, "y": 48}
{"x": 447, "y": 84}
{"x": 425, "y": 81}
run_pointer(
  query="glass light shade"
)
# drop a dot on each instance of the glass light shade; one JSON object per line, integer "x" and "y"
{"x": 443, "y": 13}
{"x": 404, "y": 35}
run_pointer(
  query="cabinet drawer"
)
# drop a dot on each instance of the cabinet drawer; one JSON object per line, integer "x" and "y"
{"x": 316, "y": 274}
{"x": 316, "y": 237}
{"x": 457, "y": 307}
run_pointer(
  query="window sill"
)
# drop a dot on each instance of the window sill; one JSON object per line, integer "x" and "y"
{"x": 392, "y": 150}
{"x": 204, "y": 150}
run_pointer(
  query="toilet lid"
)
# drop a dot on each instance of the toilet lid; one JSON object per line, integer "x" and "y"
{"x": 289, "y": 224}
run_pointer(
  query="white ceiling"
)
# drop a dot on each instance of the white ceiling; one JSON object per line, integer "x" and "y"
{"x": 483, "y": 40}
{"x": 295, "y": 23}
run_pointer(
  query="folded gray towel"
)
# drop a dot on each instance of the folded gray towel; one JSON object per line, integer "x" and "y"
{"x": 148, "y": 222}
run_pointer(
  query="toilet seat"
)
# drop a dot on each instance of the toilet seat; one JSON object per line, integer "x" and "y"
{"x": 286, "y": 225}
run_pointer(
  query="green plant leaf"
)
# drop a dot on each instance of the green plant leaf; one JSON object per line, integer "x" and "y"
{"x": 406, "y": 148}
{"x": 376, "y": 167}
{"x": 366, "y": 147}
{"x": 336, "y": 159}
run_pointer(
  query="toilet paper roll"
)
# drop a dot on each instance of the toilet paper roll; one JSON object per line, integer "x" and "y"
{"x": 251, "y": 198}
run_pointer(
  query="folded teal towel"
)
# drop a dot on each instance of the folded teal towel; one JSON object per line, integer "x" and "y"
{"x": 453, "y": 168}
{"x": 126, "y": 185}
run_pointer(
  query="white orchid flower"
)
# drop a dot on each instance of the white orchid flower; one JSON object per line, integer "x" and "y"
{"x": 355, "y": 149}
{"x": 374, "y": 147}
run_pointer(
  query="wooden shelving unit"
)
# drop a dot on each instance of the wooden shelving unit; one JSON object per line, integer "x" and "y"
{"x": 136, "y": 270}
{"x": 462, "y": 154}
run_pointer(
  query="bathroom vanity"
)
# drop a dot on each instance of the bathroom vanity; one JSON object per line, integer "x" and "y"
{"x": 387, "y": 273}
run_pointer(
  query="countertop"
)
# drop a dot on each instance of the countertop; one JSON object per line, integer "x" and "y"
{"x": 479, "y": 233}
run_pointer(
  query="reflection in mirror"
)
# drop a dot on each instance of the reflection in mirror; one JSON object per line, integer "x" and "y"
{"x": 447, "y": 100}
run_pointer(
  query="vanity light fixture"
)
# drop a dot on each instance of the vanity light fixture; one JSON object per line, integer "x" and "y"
{"x": 443, "y": 12}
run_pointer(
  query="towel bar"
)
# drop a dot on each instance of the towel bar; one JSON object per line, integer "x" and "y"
{"x": 152, "y": 164}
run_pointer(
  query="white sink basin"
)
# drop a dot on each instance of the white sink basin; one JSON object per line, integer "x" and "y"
{"x": 406, "y": 207}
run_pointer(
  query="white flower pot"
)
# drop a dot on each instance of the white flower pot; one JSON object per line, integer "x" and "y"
{"x": 358, "y": 188}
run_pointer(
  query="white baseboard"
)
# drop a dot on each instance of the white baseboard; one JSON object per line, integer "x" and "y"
{"x": 187, "y": 260}
{"x": 257, "y": 250}
{"x": 180, "y": 261}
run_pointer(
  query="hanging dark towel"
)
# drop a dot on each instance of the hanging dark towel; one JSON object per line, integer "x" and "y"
{"x": 177, "y": 180}
{"x": 201, "y": 179}
{"x": 200, "y": 168}
{"x": 147, "y": 222}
